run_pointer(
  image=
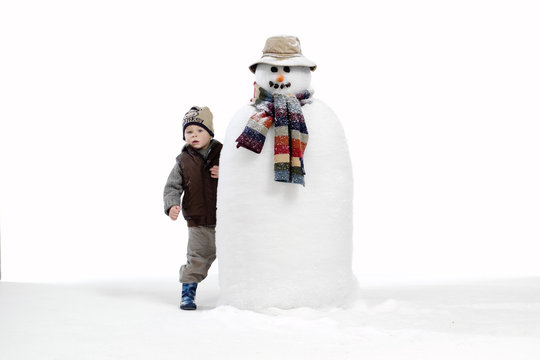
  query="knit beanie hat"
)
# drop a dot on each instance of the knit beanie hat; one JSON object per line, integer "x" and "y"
{"x": 200, "y": 116}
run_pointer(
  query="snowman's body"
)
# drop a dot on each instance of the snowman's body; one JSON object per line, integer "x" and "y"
{"x": 281, "y": 244}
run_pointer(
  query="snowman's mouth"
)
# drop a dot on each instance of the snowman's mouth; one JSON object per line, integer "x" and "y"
{"x": 278, "y": 86}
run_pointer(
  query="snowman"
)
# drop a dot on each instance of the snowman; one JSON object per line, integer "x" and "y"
{"x": 284, "y": 229}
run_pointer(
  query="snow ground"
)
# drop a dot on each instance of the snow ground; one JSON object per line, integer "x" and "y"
{"x": 495, "y": 319}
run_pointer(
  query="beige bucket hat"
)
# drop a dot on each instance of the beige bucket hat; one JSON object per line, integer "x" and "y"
{"x": 283, "y": 51}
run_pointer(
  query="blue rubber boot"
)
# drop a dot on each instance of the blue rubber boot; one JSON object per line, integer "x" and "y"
{"x": 188, "y": 296}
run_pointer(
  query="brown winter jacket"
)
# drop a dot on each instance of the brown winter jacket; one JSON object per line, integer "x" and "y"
{"x": 200, "y": 189}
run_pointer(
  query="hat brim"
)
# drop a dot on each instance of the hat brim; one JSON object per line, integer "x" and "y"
{"x": 285, "y": 61}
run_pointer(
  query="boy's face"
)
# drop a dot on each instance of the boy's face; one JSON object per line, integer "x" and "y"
{"x": 197, "y": 137}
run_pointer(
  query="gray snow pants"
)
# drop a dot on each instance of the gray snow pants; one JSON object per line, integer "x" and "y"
{"x": 201, "y": 253}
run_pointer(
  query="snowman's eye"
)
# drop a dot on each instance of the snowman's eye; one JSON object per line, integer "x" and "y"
{"x": 287, "y": 69}
{"x": 273, "y": 69}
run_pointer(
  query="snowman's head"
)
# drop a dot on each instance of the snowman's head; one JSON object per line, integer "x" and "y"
{"x": 283, "y": 79}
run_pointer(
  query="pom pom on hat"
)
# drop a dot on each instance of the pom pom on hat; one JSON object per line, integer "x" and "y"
{"x": 200, "y": 116}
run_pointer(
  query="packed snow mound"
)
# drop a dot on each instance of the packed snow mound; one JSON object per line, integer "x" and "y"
{"x": 279, "y": 244}
{"x": 139, "y": 319}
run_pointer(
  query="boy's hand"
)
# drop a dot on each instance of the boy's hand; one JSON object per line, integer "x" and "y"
{"x": 174, "y": 211}
{"x": 214, "y": 171}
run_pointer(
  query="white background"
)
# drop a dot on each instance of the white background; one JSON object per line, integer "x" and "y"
{"x": 439, "y": 100}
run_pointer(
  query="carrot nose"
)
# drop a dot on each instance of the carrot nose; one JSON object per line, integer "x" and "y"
{"x": 280, "y": 78}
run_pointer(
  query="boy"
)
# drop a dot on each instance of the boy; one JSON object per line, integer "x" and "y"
{"x": 195, "y": 175}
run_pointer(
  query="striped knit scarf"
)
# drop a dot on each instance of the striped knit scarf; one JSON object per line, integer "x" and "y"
{"x": 291, "y": 135}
